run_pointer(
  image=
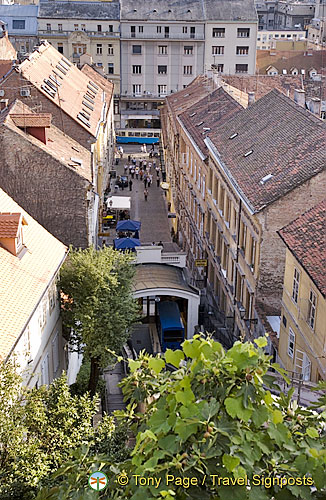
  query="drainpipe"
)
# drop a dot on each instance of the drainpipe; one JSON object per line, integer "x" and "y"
{"x": 236, "y": 260}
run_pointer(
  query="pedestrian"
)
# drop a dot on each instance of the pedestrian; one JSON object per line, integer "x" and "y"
{"x": 134, "y": 161}
{"x": 160, "y": 244}
{"x": 140, "y": 163}
{"x": 153, "y": 244}
{"x": 158, "y": 180}
{"x": 150, "y": 178}
{"x": 154, "y": 164}
{"x": 145, "y": 194}
{"x": 145, "y": 181}
{"x": 137, "y": 172}
{"x": 126, "y": 168}
{"x": 144, "y": 164}
{"x": 157, "y": 170}
{"x": 145, "y": 150}
{"x": 129, "y": 158}
{"x": 132, "y": 171}
{"x": 141, "y": 173}
{"x": 130, "y": 185}
{"x": 148, "y": 182}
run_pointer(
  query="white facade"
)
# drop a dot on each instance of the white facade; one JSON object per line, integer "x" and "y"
{"x": 267, "y": 39}
{"x": 39, "y": 351}
{"x": 231, "y": 47}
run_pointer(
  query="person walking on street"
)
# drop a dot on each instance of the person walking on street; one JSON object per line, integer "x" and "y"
{"x": 132, "y": 171}
{"x": 137, "y": 172}
{"x": 158, "y": 180}
{"x": 130, "y": 185}
{"x": 157, "y": 170}
{"x": 145, "y": 194}
{"x": 141, "y": 173}
{"x": 145, "y": 181}
{"x": 148, "y": 182}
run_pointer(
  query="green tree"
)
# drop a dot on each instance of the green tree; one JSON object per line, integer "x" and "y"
{"x": 98, "y": 308}
{"x": 211, "y": 418}
{"x": 41, "y": 429}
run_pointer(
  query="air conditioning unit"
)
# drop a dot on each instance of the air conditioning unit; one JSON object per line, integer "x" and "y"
{"x": 2, "y": 93}
{"x": 25, "y": 92}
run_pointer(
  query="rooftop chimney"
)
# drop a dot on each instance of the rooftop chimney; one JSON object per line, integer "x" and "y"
{"x": 251, "y": 98}
{"x": 315, "y": 106}
{"x": 300, "y": 97}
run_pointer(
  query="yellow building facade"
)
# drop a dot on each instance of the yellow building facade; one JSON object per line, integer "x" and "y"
{"x": 302, "y": 342}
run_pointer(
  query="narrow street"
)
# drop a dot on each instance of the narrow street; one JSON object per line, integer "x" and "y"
{"x": 152, "y": 213}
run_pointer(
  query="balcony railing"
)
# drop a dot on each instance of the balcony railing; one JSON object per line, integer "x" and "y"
{"x": 101, "y": 34}
{"x": 163, "y": 36}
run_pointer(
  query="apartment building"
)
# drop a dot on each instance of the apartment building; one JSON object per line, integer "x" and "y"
{"x": 21, "y": 24}
{"x": 302, "y": 341}
{"x": 30, "y": 327}
{"x": 269, "y": 39}
{"x": 77, "y": 28}
{"x": 40, "y": 159}
{"x": 164, "y": 46}
{"x": 247, "y": 189}
{"x": 288, "y": 14}
{"x": 80, "y": 108}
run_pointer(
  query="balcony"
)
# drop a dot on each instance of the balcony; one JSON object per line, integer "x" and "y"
{"x": 60, "y": 33}
{"x": 162, "y": 36}
{"x": 140, "y": 112}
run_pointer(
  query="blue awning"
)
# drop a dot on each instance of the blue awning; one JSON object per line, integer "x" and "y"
{"x": 128, "y": 225}
{"x": 125, "y": 243}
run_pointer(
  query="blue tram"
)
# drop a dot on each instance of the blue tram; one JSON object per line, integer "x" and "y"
{"x": 170, "y": 328}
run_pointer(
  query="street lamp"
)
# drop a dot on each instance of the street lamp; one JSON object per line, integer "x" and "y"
{"x": 242, "y": 312}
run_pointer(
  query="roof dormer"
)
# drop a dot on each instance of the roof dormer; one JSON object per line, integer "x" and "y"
{"x": 33, "y": 123}
{"x": 11, "y": 231}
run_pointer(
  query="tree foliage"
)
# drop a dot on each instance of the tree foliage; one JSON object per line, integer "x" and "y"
{"x": 214, "y": 418}
{"x": 40, "y": 429}
{"x": 97, "y": 304}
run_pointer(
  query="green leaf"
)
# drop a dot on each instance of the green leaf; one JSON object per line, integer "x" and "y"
{"x": 185, "y": 397}
{"x": 268, "y": 398}
{"x": 261, "y": 341}
{"x": 174, "y": 357}
{"x": 313, "y": 433}
{"x": 260, "y": 415}
{"x": 235, "y": 408}
{"x": 156, "y": 364}
{"x": 134, "y": 365}
{"x": 230, "y": 462}
{"x": 191, "y": 348}
{"x": 277, "y": 417}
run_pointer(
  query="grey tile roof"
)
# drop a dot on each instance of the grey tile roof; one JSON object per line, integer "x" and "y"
{"x": 190, "y": 10}
{"x": 287, "y": 142}
{"x": 79, "y": 10}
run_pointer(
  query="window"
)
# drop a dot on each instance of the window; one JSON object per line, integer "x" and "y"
{"x": 241, "y": 68}
{"x": 242, "y": 51}
{"x": 99, "y": 49}
{"x": 218, "y": 33}
{"x": 55, "y": 353}
{"x": 83, "y": 27}
{"x": 110, "y": 68}
{"x": 42, "y": 313}
{"x": 162, "y": 89}
{"x": 243, "y": 32}
{"x": 136, "y": 69}
{"x": 295, "y": 288}
{"x": 48, "y": 27}
{"x": 291, "y": 343}
{"x": 140, "y": 29}
{"x": 192, "y": 32}
{"x": 188, "y": 50}
{"x": 284, "y": 321}
{"x": 132, "y": 31}
{"x": 162, "y": 50}
{"x": 218, "y": 50}
{"x": 136, "y": 89}
{"x": 162, "y": 70}
{"x": 184, "y": 29}
{"x": 187, "y": 70}
{"x": 312, "y": 309}
{"x": 45, "y": 370}
{"x": 99, "y": 28}
{"x": 158, "y": 29}
{"x": 76, "y": 27}
{"x": 59, "y": 27}
{"x": 60, "y": 48}
{"x": 19, "y": 25}
{"x": 166, "y": 32}
{"x": 220, "y": 67}
{"x": 136, "y": 49}
{"x": 110, "y": 49}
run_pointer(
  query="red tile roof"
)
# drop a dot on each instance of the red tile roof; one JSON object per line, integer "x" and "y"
{"x": 31, "y": 119}
{"x": 9, "y": 224}
{"x": 262, "y": 84}
{"x": 276, "y": 140}
{"x": 211, "y": 111}
{"x": 305, "y": 237}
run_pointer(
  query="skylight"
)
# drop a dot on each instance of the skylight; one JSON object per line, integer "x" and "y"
{"x": 248, "y": 153}
{"x": 233, "y": 135}
{"x": 192, "y": 114}
{"x": 199, "y": 124}
{"x": 266, "y": 179}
